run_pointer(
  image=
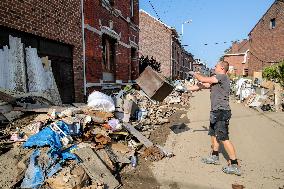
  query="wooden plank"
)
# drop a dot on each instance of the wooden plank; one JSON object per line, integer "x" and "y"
{"x": 6, "y": 97}
{"x": 5, "y": 107}
{"x": 138, "y": 135}
{"x": 3, "y": 119}
{"x": 79, "y": 105}
{"x": 95, "y": 168}
{"x": 13, "y": 115}
{"x": 41, "y": 110}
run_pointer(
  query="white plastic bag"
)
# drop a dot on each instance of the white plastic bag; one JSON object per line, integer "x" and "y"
{"x": 100, "y": 101}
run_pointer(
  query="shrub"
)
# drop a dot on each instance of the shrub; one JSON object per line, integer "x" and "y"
{"x": 275, "y": 73}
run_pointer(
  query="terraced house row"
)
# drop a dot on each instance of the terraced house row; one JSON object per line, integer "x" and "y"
{"x": 90, "y": 43}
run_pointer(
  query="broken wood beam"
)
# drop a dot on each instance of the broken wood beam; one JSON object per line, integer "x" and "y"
{"x": 138, "y": 135}
{"x": 43, "y": 109}
{"x": 95, "y": 168}
{"x": 6, "y": 97}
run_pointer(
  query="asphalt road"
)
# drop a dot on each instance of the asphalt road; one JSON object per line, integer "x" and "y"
{"x": 258, "y": 139}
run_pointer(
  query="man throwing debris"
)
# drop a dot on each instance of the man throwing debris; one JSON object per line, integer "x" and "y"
{"x": 219, "y": 116}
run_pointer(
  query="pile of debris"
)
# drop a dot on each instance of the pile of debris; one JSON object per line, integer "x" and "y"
{"x": 80, "y": 145}
{"x": 73, "y": 140}
{"x": 261, "y": 97}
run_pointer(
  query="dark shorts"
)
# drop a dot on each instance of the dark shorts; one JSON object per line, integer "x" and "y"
{"x": 219, "y": 124}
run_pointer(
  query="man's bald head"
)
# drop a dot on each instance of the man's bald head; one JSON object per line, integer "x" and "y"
{"x": 225, "y": 65}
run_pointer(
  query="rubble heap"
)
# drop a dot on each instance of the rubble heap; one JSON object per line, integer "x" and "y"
{"x": 80, "y": 145}
{"x": 60, "y": 137}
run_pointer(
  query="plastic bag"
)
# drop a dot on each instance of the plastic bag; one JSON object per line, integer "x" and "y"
{"x": 100, "y": 101}
{"x": 47, "y": 137}
{"x": 34, "y": 176}
{"x": 114, "y": 124}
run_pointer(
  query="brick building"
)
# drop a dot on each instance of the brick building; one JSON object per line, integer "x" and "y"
{"x": 187, "y": 64}
{"x": 155, "y": 40}
{"x": 267, "y": 39}
{"x": 54, "y": 28}
{"x": 237, "y": 57}
{"x": 162, "y": 42}
{"x": 111, "y": 41}
{"x": 176, "y": 56}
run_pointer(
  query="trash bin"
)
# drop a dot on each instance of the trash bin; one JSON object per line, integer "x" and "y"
{"x": 154, "y": 84}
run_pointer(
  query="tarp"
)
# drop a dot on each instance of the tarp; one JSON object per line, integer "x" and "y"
{"x": 35, "y": 174}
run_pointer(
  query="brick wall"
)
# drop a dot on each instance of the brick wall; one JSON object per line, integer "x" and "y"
{"x": 266, "y": 44}
{"x": 237, "y": 57}
{"x": 51, "y": 19}
{"x": 176, "y": 58}
{"x": 236, "y": 62}
{"x": 155, "y": 40}
{"x": 97, "y": 15}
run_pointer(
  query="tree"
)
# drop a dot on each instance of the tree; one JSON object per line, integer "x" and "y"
{"x": 276, "y": 73}
{"x": 145, "y": 61}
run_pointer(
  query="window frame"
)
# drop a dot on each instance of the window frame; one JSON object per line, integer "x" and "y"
{"x": 272, "y": 23}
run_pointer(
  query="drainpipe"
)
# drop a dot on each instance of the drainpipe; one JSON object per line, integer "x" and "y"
{"x": 245, "y": 57}
{"x": 171, "y": 61}
{"x": 83, "y": 43}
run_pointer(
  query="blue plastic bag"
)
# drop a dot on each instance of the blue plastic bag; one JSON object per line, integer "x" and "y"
{"x": 34, "y": 176}
{"x": 47, "y": 137}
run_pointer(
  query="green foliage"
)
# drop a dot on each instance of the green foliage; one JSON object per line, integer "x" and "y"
{"x": 275, "y": 73}
{"x": 145, "y": 61}
{"x": 232, "y": 76}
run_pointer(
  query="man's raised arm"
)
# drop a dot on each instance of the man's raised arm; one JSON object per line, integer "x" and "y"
{"x": 204, "y": 79}
{"x": 198, "y": 86}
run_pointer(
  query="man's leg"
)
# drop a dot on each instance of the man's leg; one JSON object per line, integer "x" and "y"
{"x": 230, "y": 149}
{"x": 223, "y": 136}
{"x": 215, "y": 143}
{"x": 213, "y": 158}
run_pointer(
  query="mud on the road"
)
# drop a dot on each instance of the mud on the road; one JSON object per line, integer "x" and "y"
{"x": 142, "y": 177}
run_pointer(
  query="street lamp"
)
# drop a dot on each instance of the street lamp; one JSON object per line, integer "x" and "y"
{"x": 186, "y": 22}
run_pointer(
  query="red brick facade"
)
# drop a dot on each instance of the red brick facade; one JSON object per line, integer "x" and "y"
{"x": 267, "y": 39}
{"x": 111, "y": 32}
{"x": 186, "y": 64}
{"x": 155, "y": 40}
{"x": 55, "y": 20}
{"x": 162, "y": 42}
{"x": 237, "y": 58}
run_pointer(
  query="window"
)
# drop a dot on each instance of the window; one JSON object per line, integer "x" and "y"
{"x": 131, "y": 8}
{"x": 109, "y": 53}
{"x": 272, "y": 23}
{"x": 245, "y": 72}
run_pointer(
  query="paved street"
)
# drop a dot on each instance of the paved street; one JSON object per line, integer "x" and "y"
{"x": 258, "y": 140}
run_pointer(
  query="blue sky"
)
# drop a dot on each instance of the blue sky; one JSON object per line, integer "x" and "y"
{"x": 213, "y": 21}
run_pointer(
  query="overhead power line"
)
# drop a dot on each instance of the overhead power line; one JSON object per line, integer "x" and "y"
{"x": 155, "y": 11}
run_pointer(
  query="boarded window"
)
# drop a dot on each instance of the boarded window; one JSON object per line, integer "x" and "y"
{"x": 109, "y": 54}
